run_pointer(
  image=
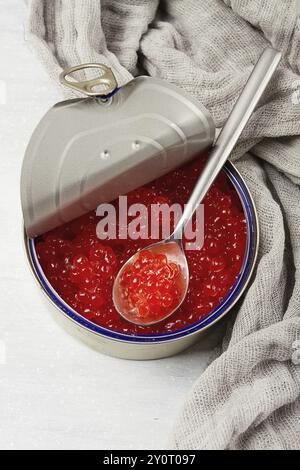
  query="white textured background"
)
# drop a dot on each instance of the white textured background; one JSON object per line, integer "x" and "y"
{"x": 55, "y": 392}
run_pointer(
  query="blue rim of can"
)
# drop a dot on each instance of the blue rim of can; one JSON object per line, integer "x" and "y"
{"x": 227, "y": 303}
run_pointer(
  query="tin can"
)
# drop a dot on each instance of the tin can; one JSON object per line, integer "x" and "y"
{"x": 144, "y": 347}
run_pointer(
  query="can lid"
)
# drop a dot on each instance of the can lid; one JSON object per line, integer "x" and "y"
{"x": 88, "y": 151}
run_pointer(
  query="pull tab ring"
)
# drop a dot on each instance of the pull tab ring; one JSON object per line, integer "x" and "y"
{"x": 106, "y": 80}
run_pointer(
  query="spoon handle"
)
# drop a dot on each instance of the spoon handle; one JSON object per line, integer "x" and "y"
{"x": 238, "y": 118}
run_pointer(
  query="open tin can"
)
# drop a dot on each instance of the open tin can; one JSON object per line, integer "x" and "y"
{"x": 84, "y": 151}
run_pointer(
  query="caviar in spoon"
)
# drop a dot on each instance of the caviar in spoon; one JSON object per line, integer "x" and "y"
{"x": 151, "y": 286}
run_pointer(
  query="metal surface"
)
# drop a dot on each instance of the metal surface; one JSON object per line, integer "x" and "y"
{"x": 157, "y": 346}
{"x": 103, "y": 85}
{"x": 85, "y": 152}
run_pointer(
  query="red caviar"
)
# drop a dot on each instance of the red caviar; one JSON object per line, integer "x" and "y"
{"x": 151, "y": 287}
{"x": 82, "y": 268}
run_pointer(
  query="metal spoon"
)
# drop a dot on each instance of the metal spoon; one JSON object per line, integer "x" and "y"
{"x": 172, "y": 247}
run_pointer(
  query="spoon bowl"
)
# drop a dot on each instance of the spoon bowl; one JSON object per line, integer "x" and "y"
{"x": 174, "y": 252}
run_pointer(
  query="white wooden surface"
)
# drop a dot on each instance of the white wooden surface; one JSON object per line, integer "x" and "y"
{"x": 55, "y": 393}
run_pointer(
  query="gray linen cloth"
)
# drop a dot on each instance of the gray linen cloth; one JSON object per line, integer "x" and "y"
{"x": 248, "y": 398}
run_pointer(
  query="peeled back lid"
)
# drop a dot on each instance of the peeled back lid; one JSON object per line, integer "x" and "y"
{"x": 89, "y": 151}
